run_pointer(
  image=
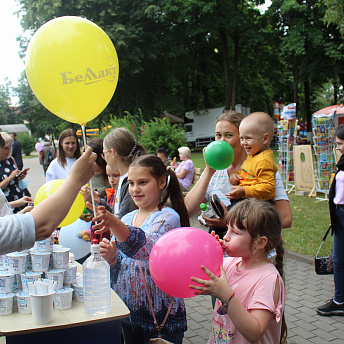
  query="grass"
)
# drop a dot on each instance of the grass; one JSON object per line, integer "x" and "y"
{"x": 310, "y": 221}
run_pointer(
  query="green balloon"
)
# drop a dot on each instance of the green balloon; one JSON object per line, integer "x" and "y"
{"x": 219, "y": 155}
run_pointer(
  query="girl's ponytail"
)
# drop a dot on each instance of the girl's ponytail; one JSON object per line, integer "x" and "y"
{"x": 174, "y": 193}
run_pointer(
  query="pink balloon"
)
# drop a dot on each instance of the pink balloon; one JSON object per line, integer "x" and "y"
{"x": 38, "y": 146}
{"x": 178, "y": 255}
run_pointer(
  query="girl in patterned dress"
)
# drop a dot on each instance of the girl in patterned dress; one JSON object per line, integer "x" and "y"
{"x": 150, "y": 185}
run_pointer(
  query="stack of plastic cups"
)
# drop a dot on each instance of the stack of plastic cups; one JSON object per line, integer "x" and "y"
{"x": 44, "y": 260}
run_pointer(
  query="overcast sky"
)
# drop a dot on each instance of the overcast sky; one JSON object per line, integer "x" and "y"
{"x": 11, "y": 65}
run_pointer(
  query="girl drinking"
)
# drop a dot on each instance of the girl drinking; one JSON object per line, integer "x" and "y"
{"x": 150, "y": 185}
{"x": 250, "y": 290}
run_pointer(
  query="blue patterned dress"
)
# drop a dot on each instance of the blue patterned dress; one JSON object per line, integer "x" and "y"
{"x": 127, "y": 281}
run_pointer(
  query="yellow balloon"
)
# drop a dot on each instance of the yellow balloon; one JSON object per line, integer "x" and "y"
{"x": 49, "y": 188}
{"x": 72, "y": 68}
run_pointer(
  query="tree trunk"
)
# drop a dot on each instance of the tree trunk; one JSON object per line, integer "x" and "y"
{"x": 223, "y": 36}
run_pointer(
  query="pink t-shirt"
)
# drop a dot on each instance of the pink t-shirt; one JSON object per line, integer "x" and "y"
{"x": 339, "y": 197}
{"x": 255, "y": 290}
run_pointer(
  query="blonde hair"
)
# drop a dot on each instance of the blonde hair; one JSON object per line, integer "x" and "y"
{"x": 123, "y": 142}
{"x": 7, "y": 138}
{"x": 264, "y": 122}
{"x": 186, "y": 151}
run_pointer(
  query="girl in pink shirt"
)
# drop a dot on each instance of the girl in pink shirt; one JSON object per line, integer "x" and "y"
{"x": 250, "y": 290}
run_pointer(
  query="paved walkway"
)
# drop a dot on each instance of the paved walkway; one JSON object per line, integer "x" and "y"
{"x": 304, "y": 292}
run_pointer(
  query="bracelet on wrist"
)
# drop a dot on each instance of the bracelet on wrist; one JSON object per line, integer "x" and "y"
{"x": 225, "y": 304}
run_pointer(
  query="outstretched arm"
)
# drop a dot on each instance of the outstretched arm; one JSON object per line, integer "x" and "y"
{"x": 50, "y": 213}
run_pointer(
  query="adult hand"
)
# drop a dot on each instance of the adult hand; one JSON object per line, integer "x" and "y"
{"x": 22, "y": 201}
{"x": 15, "y": 173}
{"x": 207, "y": 167}
{"x": 108, "y": 249}
{"x": 82, "y": 170}
{"x": 217, "y": 221}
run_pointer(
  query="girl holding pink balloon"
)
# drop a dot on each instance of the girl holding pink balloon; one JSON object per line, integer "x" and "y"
{"x": 250, "y": 290}
{"x": 151, "y": 184}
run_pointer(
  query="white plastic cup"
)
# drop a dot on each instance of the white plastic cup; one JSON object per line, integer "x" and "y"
{"x": 78, "y": 292}
{"x": 2, "y": 262}
{"x": 63, "y": 298}
{"x": 17, "y": 262}
{"x": 61, "y": 258}
{"x": 40, "y": 260}
{"x": 45, "y": 245}
{"x": 6, "y": 282}
{"x": 6, "y": 303}
{"x": 29, "y": 276}
{"x": 57, "y": 276}
{"x": 70, "y": 274}
{"x": 42, "y": 308}
{"x": 24, "y": 303}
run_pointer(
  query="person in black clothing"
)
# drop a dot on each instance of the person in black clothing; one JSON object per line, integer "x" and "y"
{"x": 16, "y": 151}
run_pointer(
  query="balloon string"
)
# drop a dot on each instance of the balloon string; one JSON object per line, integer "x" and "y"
{"x": 91, "y": 187}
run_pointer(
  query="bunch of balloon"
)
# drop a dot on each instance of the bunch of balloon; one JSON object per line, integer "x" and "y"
{"x": 72, "y": 68}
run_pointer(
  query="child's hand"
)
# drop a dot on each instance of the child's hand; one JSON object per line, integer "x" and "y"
{"x": 86, "y": 192}
{"x": 221, "y": 242}
{"x": 236, "y": 192}
{"x": 234, "y": 179}
{"x": 104, "y": 220}
{"x": 216, "y": 286}
{"x": 108, "y": 250}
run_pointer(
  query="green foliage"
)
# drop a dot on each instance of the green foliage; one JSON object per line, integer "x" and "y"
{"x": 160, "y": 133}
{"x": 27, "y": 143}
{"x": 335, "y": 14}
{"x": 133, "y": 123}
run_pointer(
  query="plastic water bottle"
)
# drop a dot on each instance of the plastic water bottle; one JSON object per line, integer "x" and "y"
{"x": 96, "y": 278}
{"x": 204, "y": 209}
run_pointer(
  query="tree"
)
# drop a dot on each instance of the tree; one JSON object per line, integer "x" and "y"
{"x": 335, "y": 14}
{"x": 5, "y": 104}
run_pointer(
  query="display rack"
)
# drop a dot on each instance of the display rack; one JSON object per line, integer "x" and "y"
{"x": 287, "y": 136}
{"x": 324, "y": 159}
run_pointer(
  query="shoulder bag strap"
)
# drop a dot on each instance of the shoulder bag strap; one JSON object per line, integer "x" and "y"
{"x": 159, "y": 328}
{"x": 323, "y": 240}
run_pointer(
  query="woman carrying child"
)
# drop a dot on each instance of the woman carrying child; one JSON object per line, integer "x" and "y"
{"x": 150, "y": 185}
{"x": 250, "y": 290}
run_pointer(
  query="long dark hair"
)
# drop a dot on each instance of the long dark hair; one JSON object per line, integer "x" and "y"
{"x": 340, "y": 131}
{"x": 261, "y": 218}
{"x": 173, "y": 192}
{"x": 62, "y": 154}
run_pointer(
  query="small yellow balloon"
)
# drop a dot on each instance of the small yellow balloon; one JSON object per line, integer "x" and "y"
{"x": 72, "y": 68}
{"x": 49, "y": 188}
